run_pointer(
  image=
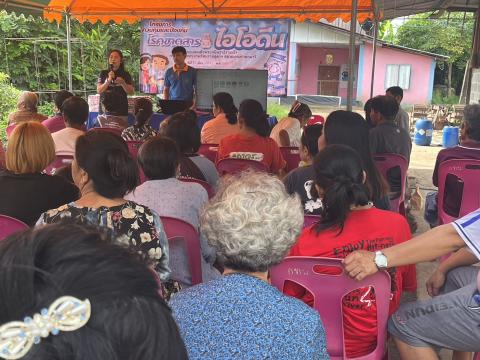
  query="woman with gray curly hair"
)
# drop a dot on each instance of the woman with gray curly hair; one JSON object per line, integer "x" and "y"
{"x": 26, "y": 109}
{"x": 252, "y": 223}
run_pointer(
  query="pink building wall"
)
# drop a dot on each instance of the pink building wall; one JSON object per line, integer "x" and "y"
{"x": 310, "y": 59}
{"x": 421, "y": 74}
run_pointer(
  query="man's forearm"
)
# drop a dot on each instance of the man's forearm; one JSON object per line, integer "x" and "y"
{"x": 463, "y": 257}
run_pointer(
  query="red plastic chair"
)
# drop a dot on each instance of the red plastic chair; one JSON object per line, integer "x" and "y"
{"x": 10, "y": 129}
{"x": 468, "y": 171}
{"x": 234, "y": 166}
{"x": 328, "y": 292}
{"x": 316, "y": 119}
{"x": 291, "y": 154}
{"x": 310, "y": 220}
{"x": 133, "y": 147}
{"x": 9, "y": 225}
{"x": 59, "y": 162}
{"x": 179, "y": 231}
{"x": 209, "y": 151}
{"x": 210, "y": 190}
{"x": 385, "y": 162}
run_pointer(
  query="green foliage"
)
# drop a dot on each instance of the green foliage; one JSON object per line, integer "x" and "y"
{"x": 438, "y": 97}
{"x": 8, "y": 101}
{"x": 280, "y": 111}
{"x": 386, "y": 32}
{"x": 47, "y": 109}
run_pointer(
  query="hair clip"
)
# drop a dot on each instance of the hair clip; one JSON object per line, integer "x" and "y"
{"x": 295, "y": 106}
{"x": 67, "y": 313}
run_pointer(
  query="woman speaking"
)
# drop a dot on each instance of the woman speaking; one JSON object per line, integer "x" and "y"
{"x": 117, "y": 79}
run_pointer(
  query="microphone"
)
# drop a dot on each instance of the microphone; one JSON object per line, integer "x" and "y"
{"x": 111, "y": 69}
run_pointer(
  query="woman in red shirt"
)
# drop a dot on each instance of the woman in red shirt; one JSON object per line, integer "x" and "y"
{"x": 252, "y": 141}
{"x": 350, "y": 222}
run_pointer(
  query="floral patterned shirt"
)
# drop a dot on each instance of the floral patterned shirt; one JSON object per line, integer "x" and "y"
{"x": 133, "y": 225}
{"x": 142, "y": 133}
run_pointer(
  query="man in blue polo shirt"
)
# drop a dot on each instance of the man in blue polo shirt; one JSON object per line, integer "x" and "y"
{"x": 180, "y": 79}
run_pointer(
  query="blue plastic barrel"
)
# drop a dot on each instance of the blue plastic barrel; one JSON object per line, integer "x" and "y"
{"x": 450, "y": 136}
{"x": 423, "y": 132}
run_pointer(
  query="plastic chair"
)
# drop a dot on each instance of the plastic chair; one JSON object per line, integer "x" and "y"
{"x": 291, "y": 154}
{"x": 234, "y": 166}
{"x": 468, "y": 171}
{"x": 328, "y": 292}
{"x": 180, "y": 231}
{"x": 385, "y": 162}
{"x": 316, "y": 119}
{"x": 117, "y": 131}
{"x": 208, "y": 188}
{"x": 309, "y": 220}
{"x": 9, "y": 225}
{"x": 9, "y": 129}
{"x": 59, "y": 162}
{"x": 209, "y": 151}
{"x": 133, "y": 147}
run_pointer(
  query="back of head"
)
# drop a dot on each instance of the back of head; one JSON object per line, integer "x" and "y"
{"x": 471, "y": 119}
{"x": 159, "y": 158}
{"x": 340, "y": 176}
{"x": 367, "y": 108}
{"x": 395, "y": 91}
{"x": 112, "y": 101}
{"x": 60, "y": 97}
{"x": 254, "y": 117}
{"x": 108, "y": 163}
{"x": 41, "y": 265}
{"x": 300, "y": 111}
{"x": 310, "y": 137}
{"x": 252, "y": 222}
{"x": 387, "y": 106}
{"x": 183, "y": 129}
{"x": 143, "y": 110}
{"x": 75, "y": 111}
{"x": 30, "y": 148}
{"x": 28, "y": 101}
{"x": 350, "y": 129}
{"x": 224, "y": 101}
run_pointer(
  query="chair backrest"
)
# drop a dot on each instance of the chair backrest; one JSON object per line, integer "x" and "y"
{"x": 117, "y": 131}
{"x": 328, "y": 292}
{"x": 180, "y": 231}
{"x": 468, "y": 172}
{"x": 291, "y": 154}
{"x": 234, "y": 166}
{"x": 309, "y": 220}
{"x": 9, "y": 225}
{"x": 133, "y": 147}
{"x": 209, "y": 151}
{"x": 59, "y": 162}
{"x": 209, "y": 189}
{"x": 385, "y": 162}
{"x": 9, "y": 129}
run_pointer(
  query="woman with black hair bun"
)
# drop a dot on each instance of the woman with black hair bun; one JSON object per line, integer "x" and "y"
{"x": 288, "y": 131}
{"x": 225, "y": 121}
{"x": 349, "y": 221}
{"x": 141, "y": 130}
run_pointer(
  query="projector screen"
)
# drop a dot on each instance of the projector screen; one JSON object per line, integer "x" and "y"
{"x": 241, "y": 84}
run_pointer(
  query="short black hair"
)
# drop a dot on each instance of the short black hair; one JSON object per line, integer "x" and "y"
{"x": 40, "y": 265}
{"x": 75, "y": 110}
{"x": 385, "y": 105}
{"x": 159, "y": 158}
{"x": 108, "y": 163}
{"x": 183, "y": 129}
{"x": 309, "y": 138}
{"x": 179, "y": 49}
{"x": 112, "y": 101}
{"x": 471, "y": 117}
{"x": 395, "y": 91}
{"x": 60, "y": 97}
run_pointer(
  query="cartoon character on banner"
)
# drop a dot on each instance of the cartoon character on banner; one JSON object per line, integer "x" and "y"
{"x": 146, "y": 79}
{"x": 276, "y": 66}
{"x": 160, "y": 64}
{"x": 206, "y": 41}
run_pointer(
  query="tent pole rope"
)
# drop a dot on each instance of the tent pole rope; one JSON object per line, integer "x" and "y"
{"x": 351, "y": 61}
{"x": 374, "y": 55}
{"x": 58, "y": 66}
{"x": 6, "y": 55}
{"x": 68, "y": 18}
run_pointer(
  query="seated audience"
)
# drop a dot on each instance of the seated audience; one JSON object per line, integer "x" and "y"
{"x": 104, "y": 171}
{"x": 26, "y": 109}
{"x": 182, "y": 128}
{"x": 252, "y": 141}
{"x": 141, "y": 130}
{"x": 349, "y": 128}
{"x": 57, "y": 122}
{"x": 225, "y": 121}
{"x": 75, "y": 114}
{"x": 300, "y": 180}
{"x": 112, "y": 117}
{"x": 108, "y": 296}
{"x": 24, "y": 191}
{"x": 420, "y": 328}
{"x": 159, "y": 159}
{"x": 401, "y": 119}
{"x": 350, "y": 221}
{"x": 252, "y": 223}
{"x": 469, "y": 148}
{"x": 289, "y": 130}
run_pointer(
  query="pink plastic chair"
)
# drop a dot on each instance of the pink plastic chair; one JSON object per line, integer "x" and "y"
{"x": 310, "y": 220}
{"x": 209, "y": 189}
{"x": 291, "y": 154}
{"x": 59, "y": 162}
{"x": 10, "y": 129}
{"x": 9, "y": 225}
{"x": 234, "y": 166}
{"x": 328, "y": 292}
{"x": 209, "y": 151}
{"x": 133, "y": 147}
{"x": 385, "y": 162}
{"x": 180, "y": 231}
{"x": 117, "y": 131}
{"x": 468, "y": 171}
{"x": 316, "y": 119}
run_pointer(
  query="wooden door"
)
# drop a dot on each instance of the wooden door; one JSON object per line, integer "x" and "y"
{"x": 328, "y": 79}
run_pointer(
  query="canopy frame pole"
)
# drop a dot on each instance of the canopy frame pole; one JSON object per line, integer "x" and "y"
{"x": 68, "y": 23}
{"x": 374, "y": 55}
{"x": 351, "y": 62}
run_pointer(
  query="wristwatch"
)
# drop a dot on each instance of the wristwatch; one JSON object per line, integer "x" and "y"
{"x": 380, "y": 260}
